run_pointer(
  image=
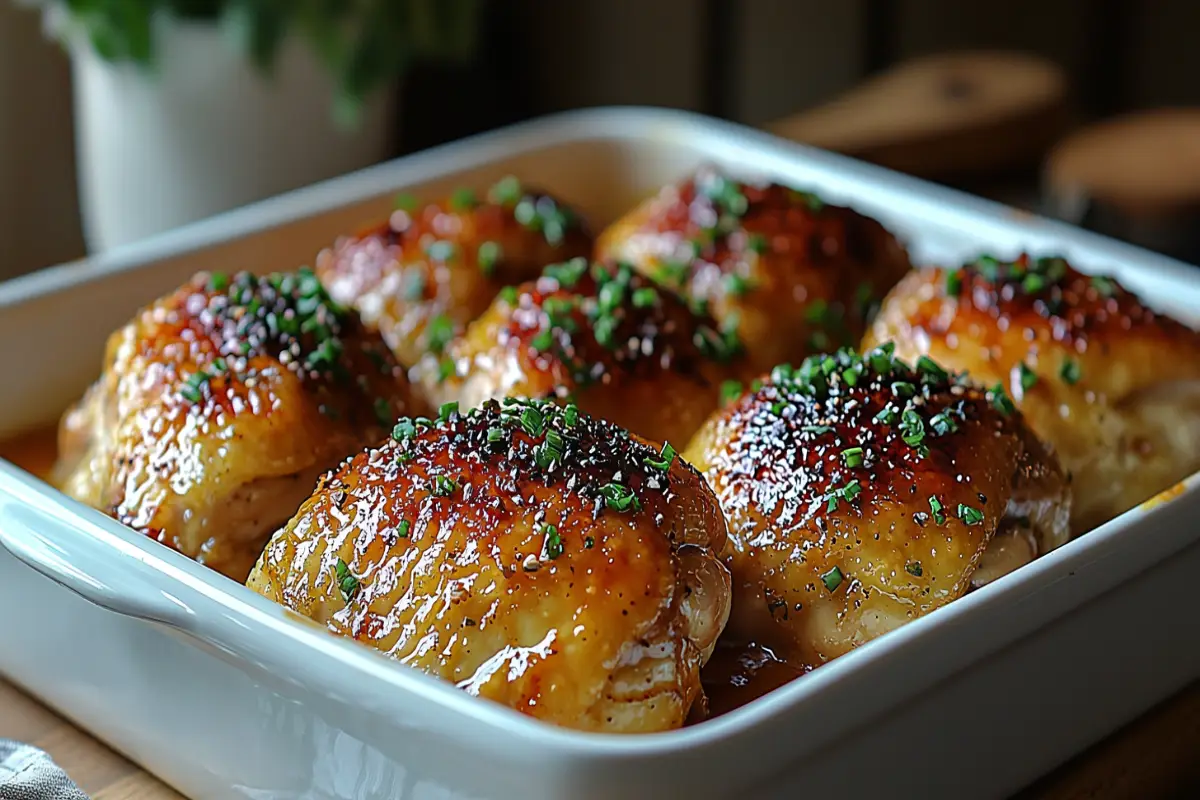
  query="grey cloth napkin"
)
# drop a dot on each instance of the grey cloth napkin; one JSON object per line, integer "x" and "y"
{"x": 27, "y": 773}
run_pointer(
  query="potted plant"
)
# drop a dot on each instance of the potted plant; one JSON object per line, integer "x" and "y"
{"x": 185, "y": 108}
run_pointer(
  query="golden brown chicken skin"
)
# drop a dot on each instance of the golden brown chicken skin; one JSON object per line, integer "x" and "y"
{"x": 219, "y": 407}
{"x": 793, "y": 274}
{"x": 861, "y": 493}
{"x": 624, "y": 350}
{"x": 430, "y": 269}
{"x": 525, "y": 552}
{"x": 1113, "y": 387}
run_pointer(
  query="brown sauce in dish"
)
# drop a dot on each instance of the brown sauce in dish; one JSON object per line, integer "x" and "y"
{"x": 739, "y": 674}
{"x": 33, "y": 451}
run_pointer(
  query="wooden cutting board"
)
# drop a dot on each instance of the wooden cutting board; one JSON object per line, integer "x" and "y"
{"x": 1155, "y": 758}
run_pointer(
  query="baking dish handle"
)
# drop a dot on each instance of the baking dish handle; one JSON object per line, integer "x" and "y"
{"x": 74, "y": 560}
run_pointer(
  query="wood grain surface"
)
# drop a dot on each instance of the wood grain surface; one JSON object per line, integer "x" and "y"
{"x": 1155, "y": 758}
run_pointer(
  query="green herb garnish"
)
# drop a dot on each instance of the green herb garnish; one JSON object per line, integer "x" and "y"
{"x": 443, "y": 486}
{"x": 1070, "y": 371}
{"x": 619, "y": 497}
{"x": 832, "y": 579}
{"x": 346, "y": 580}
{"x": 939, "y": 511}
{"x": 554, "y": 544}
{"x": 486, "y": 257}
{"x": 463, "y": 199}
{"x": 1000, "y": 400}
{"x": 969, "y": 515}
{"x": 439, "y": 332}
{"x": 852, "y": 456}
{"x": 664, "y": 460}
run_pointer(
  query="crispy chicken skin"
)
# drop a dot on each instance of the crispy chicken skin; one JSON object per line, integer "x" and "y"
{"x": 219, "y": 407}
{"x": 1113, "y": 387}
{"x": 430, "y": 269}
{"x": 794, "y": 274}
{"x": 861, "y": 494}
{"x": 626, "y": 351}
{"x": 525, "y": 552}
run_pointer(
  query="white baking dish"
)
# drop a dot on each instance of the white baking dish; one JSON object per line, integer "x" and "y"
{"x": 223, "y": 694}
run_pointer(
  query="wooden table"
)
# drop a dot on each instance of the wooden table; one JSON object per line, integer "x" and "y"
{"x": 1155, "y": 758}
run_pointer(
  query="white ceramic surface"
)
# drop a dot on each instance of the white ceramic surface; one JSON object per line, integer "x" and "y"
{"x": 226, "y": 695}
{"x": 206, "y": 132}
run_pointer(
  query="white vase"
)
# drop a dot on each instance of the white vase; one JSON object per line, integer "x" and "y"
{"x": 205, "y": 131}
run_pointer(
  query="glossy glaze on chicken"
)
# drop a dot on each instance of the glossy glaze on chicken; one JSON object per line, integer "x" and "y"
{"x": 794, "y": 274}
{"x": 1112, "y": 386}
{"x": 526, "y": 552}
{"x": 623, "y": 349}
{"x": 218, "y": 408}
{"x": 431, "y": 268}
{"x": 862, "y": 493}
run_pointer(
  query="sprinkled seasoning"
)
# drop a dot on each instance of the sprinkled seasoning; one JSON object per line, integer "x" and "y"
{"x": 609, "y": 305}
{"x": 288, "y": 316}
{"x": 403, "y": 528}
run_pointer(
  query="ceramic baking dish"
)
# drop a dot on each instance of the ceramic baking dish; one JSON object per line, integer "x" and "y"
{"x": 223, "y": 694}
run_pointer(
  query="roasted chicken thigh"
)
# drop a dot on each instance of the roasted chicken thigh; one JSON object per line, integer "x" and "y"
{"x": 1112, "y": 386}
{"x": 218, "y": 408}
{"x": 624, "y": 350}
{"x": 430, "y": 269}
{"x": 793, "y": 274}
{"x": 525, "y": 552}
{"x": 862, "y": 493}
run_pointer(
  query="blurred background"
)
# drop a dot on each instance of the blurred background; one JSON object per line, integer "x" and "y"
{"x": 119, "y": 118}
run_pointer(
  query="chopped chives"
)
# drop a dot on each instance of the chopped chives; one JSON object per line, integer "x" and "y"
{"x": 486, "y": 257}
{"x": 832, "y": 579}
{"x": 969, "y": 515}
{"x": 1028, "y": 376}
{"x": 853, "y": 456}
{"x": 1070, "y": 371}
{"x": 939, "y": 511}
{"x": 664, "y": 460}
